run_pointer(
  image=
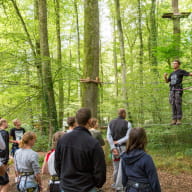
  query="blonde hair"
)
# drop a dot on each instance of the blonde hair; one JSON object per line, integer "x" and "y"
{"x": 28, "y": 136}
{"x": 56, "y": 138}
{"x": 14, "y": 121}
{"x": 2, "y": 121}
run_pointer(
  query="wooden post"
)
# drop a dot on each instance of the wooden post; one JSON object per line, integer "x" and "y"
{"x": 176, "y": 16}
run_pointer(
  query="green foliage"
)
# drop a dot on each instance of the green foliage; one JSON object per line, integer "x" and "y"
{"x": 171, "y": 147}
{"x": 42, "y": 143}
{"x": 41, "y": 160}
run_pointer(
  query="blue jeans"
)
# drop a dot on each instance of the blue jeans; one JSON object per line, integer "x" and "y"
{"x": 26, "y": 185}
{"x": 92, "y": 190}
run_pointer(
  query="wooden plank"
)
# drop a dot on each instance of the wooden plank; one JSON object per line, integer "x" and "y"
{"x": 180, "y": 15}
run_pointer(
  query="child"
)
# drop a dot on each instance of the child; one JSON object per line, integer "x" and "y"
{"x": 26, "y": 165}
{"x": 48, "y": 165}
{"x": 138, "y": 170}
{"x": 16, "y": 135}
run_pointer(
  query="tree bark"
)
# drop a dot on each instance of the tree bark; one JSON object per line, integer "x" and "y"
{"x": 115, "y": 60}
{"x": 141, "y": 114}
{"x": 91, "y": 55}
{"x": 59, "y": 64}
{"x": 176, "y": 27}
{"x": 78, "y": 34}
{"x": 122, "y": 53}
{"x": 153, "y": 37}
{"x": 78, "y": 45}
{"x": 46, "y": 69}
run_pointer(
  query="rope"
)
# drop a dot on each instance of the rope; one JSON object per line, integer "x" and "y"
{"x": 183, "y": 89}
{"x": 166, "y": 124}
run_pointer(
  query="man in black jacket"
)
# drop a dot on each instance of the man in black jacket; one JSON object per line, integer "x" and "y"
{"x": 79, "y": 159}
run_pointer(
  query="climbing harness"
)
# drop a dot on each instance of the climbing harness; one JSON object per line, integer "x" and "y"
{"x": 26, "y": 175}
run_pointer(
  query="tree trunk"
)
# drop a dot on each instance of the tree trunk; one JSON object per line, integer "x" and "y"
{"x": 30, "y": 105}
{"x": 91, "y": 54}
{"x": 59, "y": 63}
{"x": 46, "y": 69}
{"x": 36, "y": 54}
{"x": 176, "y": 27}
{"x": 122, "y": 53}
{"x": 78, "y": 34}
{"x": 153, "y": 37}
{"x": 141, "y": 114}
{"x": 115, "y": 62}
{"x": 78, "y": 45}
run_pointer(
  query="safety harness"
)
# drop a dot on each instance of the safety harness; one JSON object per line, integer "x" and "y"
{"x": 26, "y": 175}
{"x": 54, "y": 184}
{"x": 138, "y": 186}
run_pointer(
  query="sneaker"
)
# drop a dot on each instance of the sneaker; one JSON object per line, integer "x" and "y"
{"x": 173, "y": 122}
{"x": 178, "y": 122}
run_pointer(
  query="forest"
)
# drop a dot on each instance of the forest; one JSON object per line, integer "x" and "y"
{"x": 60, "y": 55}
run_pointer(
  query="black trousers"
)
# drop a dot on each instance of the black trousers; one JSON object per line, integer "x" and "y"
{"x": 54, "y": 188}
{"x": 175, "y": 99}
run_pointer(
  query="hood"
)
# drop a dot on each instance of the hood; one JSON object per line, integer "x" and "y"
{"x": 132, "y": 156}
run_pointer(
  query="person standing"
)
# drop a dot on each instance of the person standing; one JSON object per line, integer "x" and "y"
{"x": 175, "y": 79}
{"x": 79, "y": 158}
{"x": 27, "y": 165}
{"x": 71, "y": 124}
{"x": 2, "y": 147}
{"x": 48, "y": 164}
{"x": 94, "y": 132}
{"x": 16, "y": 135}
{"x": 4, "y": 156}
{"x": 117, "y": 136}
{"x": 138, "y": 170}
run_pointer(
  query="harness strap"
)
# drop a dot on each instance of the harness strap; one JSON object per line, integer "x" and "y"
{"x": 138, "y": 186}
{"x": 26, "y": 173}
{"x": 32, "y": 189}
{"x": 55, "y": 178}
{"x": 183, "y": 89}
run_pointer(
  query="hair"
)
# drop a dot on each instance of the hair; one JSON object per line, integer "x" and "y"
{"x": 71, "y": 121}
{"x": 14, "y": 121}
{"x": 56, "y": 138}
{"x": 28, "y": 136}
{"x": 121, "y": 112}
{"x": 2, "y": 121}
{"x": 93, "y": 122}
{"x": 178, "y": 61}
{"x": 83, "y": 115}
{"x": 137, "y": 139}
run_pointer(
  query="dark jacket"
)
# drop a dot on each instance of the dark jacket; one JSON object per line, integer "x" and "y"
{"x": 4, "y": 154}
{"x": 138, "y": 166}
{"x": 80, "y": 161}
{"x": 118, "y": 128}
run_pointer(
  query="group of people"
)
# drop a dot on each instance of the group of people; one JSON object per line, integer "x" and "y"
{"x": 76, "y": 162}
{"x": 14, "y": 137}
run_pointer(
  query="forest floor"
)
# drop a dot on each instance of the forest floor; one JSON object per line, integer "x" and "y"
{"x": 180, "y": 182}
